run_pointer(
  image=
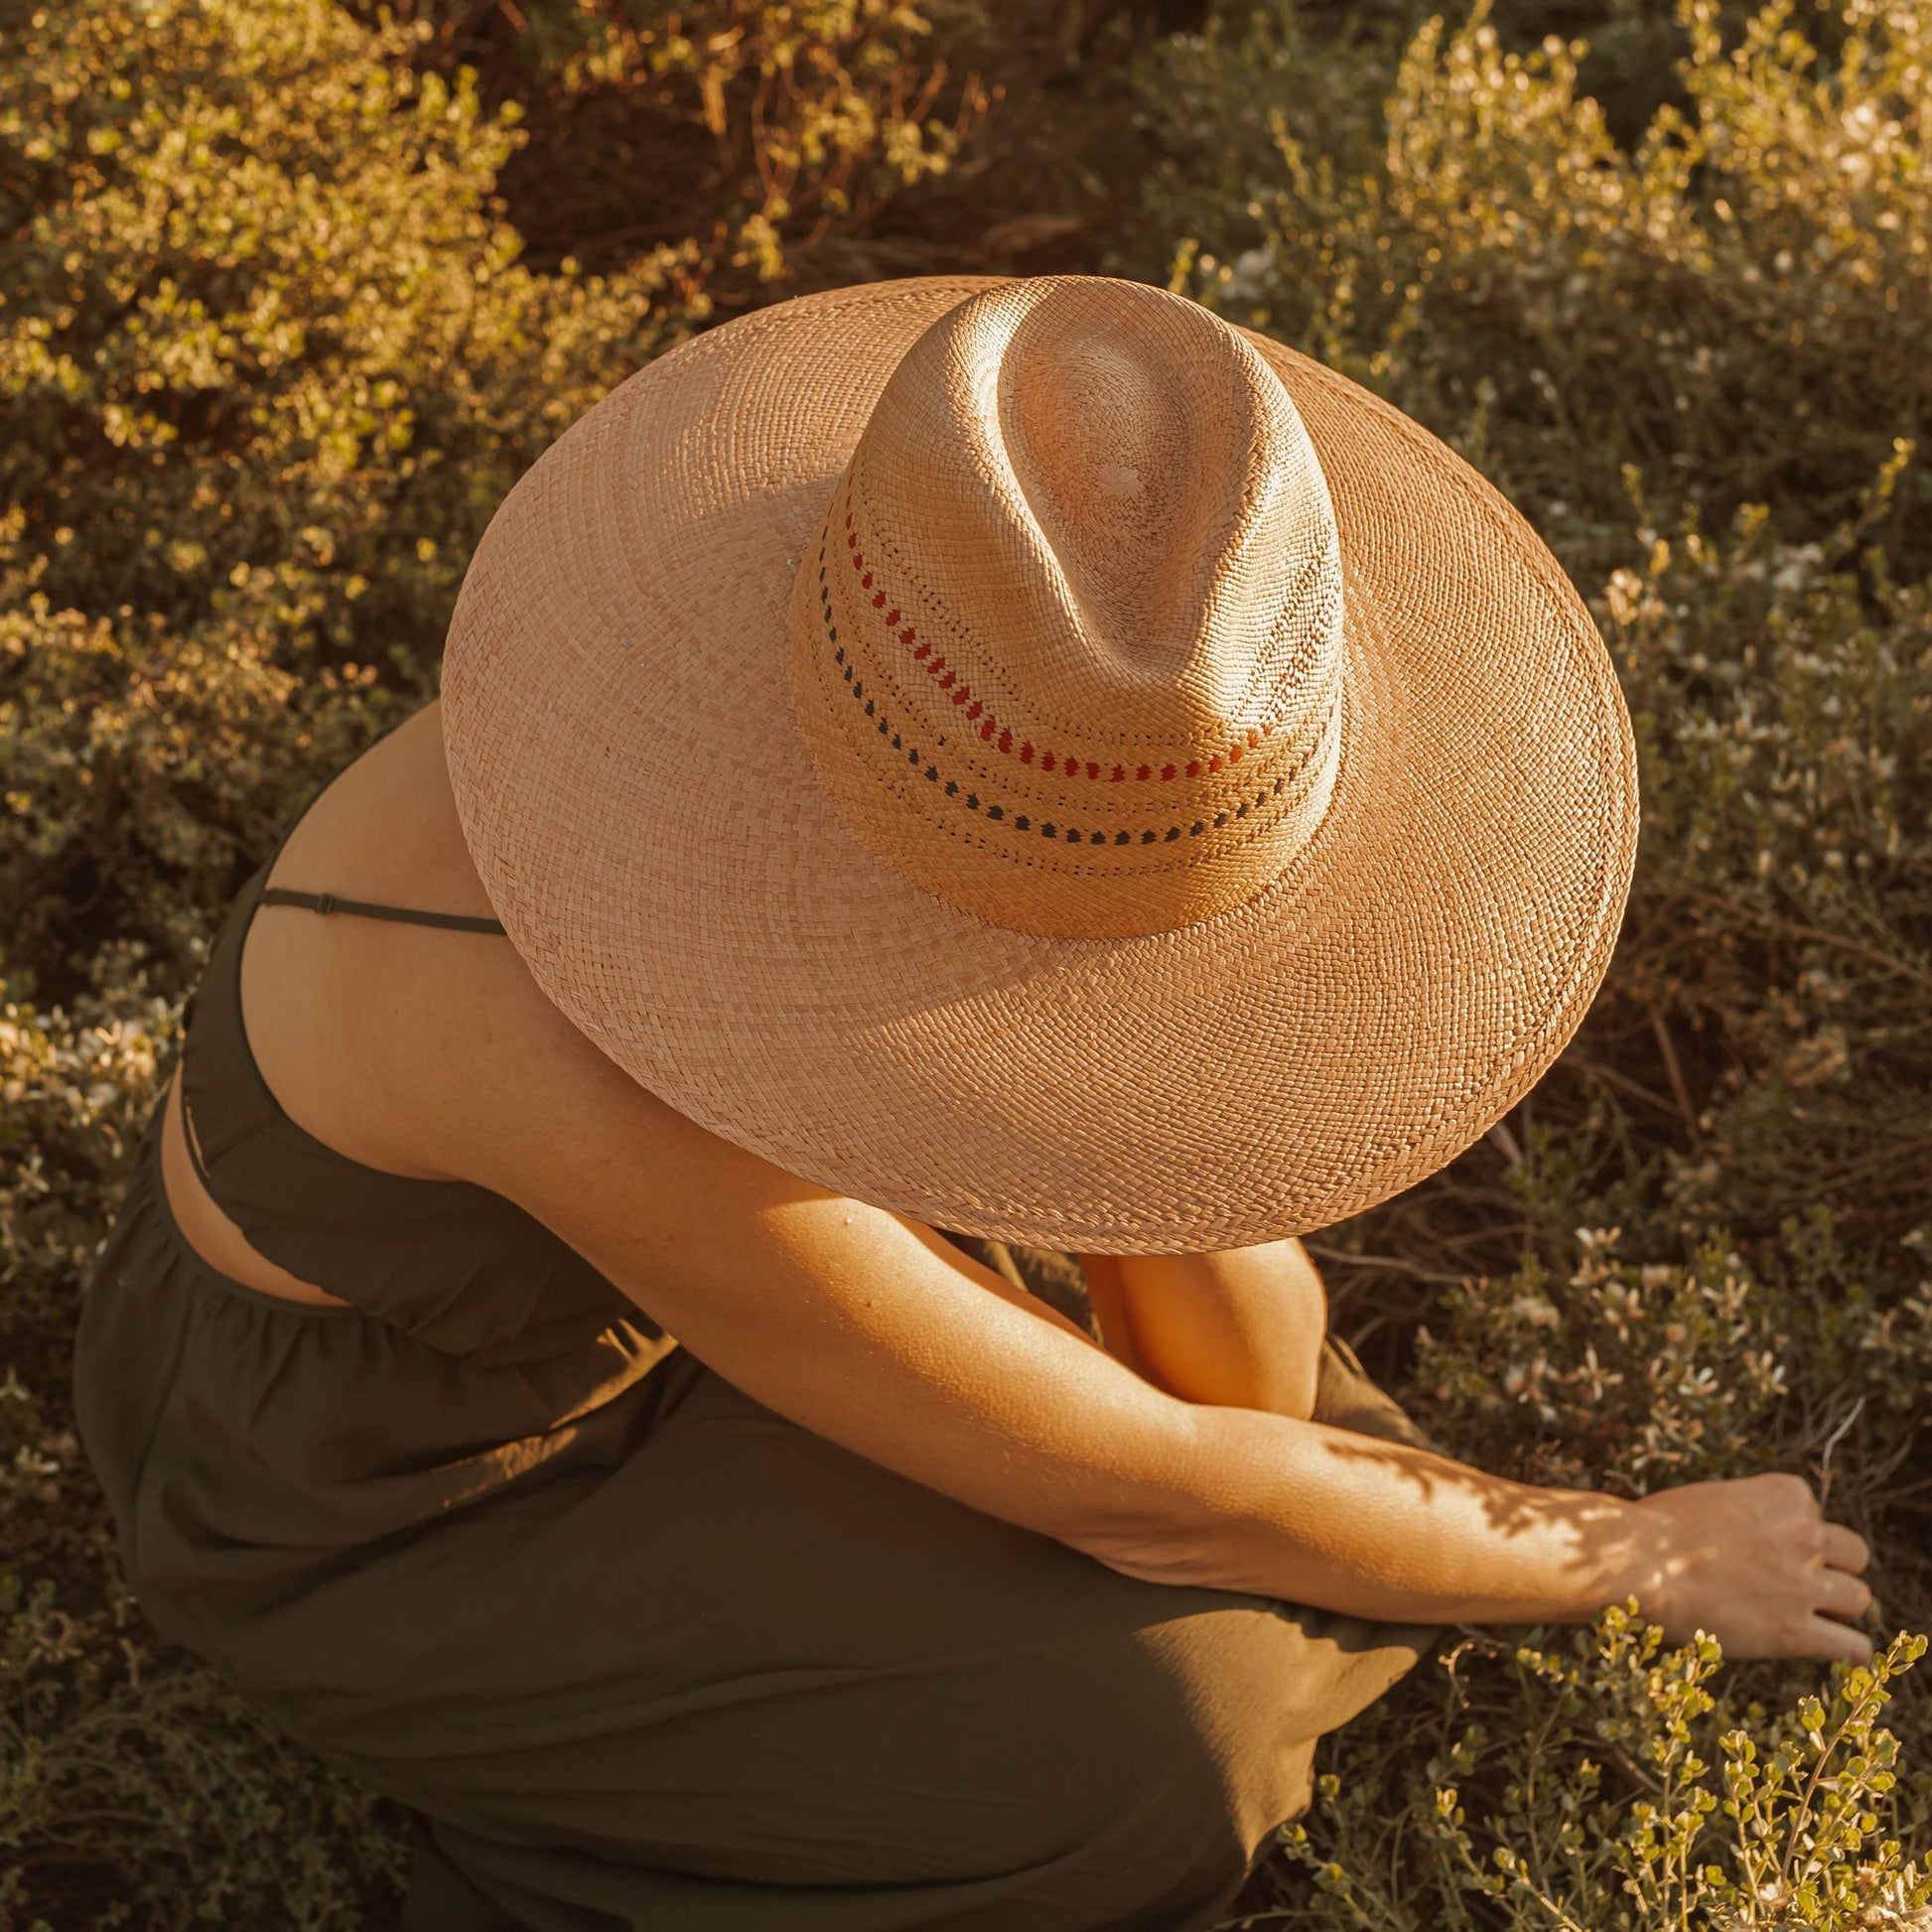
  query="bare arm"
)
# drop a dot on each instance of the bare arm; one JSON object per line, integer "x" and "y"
{"x": 872, "y": 1330}
{"x": 1242, "y": 1327}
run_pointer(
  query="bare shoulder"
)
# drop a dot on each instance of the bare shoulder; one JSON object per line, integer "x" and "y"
{"x": 408, "y": 1047}
{"x": 433, "y": 1053}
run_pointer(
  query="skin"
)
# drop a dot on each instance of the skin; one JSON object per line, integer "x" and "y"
{"x": 1181, "y": 1452}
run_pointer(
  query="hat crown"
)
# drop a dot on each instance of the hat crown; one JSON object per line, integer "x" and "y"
{"x": 1067, "y": 649}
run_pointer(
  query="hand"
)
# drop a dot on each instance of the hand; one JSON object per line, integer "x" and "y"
{"x": 1753, "y": 1562}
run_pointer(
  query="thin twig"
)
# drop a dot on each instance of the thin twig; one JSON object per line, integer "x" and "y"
{"x": 1661, "y": 1027}
{"x": 1825, "y": 1460}
{"x": 1798, "y": 930}
{"x": 1395, "y": 1262}
{"x": 1597, "y": 1070}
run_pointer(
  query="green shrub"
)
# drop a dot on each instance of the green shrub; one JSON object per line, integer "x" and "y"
{"x": 1633, "y": 1375}
{"x": 1608, "y": 1785}
{"x": 269, "y": 363}
{"x": 1784, "y": 699}
{"x": 1701, "y": 1247}
{"x": 1739, "y": 306}
{"x": 750, "y": 129}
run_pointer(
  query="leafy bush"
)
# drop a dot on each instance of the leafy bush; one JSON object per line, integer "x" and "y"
{"x": 270, "y": 363}
{"x": 746, "y": 127}
{"x": 1619, "y": 1792}
{"x": 1784, "y": 693}
{"x": 1736, "y": 306}
{"x": 1642, "y": 1374}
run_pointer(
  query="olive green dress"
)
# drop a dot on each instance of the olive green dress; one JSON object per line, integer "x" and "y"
{"x": 637, "y": 1652}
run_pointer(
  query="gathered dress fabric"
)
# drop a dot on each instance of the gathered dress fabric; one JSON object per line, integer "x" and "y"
{"x": 636, "y": 1651}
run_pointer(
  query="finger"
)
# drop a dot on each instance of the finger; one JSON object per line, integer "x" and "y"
{"x": 1824, "y": 1638}
{"x": 1796, "y": 1491}
{"x": 1845, "y": 1549}
{"x": 1839, "y": 1593}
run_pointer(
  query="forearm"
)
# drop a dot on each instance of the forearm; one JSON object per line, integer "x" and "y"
{"x": 1297, "y": 1511}
{"x": 987, "y": 1397}
{"x": 1214, "y": 1490}
{"x": 1323, "y": 1515}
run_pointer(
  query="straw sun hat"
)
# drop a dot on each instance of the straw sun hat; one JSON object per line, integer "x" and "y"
{"x": 1041, "y": 760}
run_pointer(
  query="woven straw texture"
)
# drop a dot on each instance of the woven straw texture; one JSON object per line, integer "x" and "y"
{"x": 1034, "y": 758}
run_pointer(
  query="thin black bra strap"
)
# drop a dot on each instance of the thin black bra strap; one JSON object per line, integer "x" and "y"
{"x": 329, "y": 903}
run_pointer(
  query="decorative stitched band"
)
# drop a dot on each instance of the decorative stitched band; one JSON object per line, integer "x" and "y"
{"x": 850, "y": 666}
{"x": 1000, "y": 736}
{"x": 1035, "y": 828}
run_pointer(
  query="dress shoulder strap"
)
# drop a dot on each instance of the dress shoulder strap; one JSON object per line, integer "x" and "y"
{"x": 329, "y": 903}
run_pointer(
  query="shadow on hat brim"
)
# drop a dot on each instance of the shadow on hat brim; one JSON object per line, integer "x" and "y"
{"x": 641, "y": 804}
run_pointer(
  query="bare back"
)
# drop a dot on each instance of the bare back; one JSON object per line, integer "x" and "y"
{"x": 369, "y": 1033}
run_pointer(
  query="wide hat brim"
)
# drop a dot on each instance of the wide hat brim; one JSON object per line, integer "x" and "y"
{"x": 643, "y": 810}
